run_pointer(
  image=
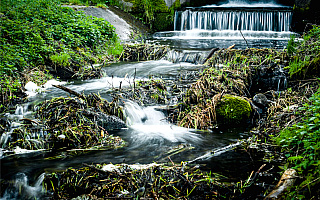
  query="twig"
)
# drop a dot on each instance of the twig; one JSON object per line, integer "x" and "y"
{"x": 244, "y": 38}
{"x": 171, "y": 161}
{"x": 70, "y": 91}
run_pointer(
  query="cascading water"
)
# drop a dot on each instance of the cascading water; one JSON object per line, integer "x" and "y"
{"x": 149, "y": 135}
{"x": 261, "y": 24}
{"x": 21, "y": 189}
{"x": 233, "y": 20}
{"x": 148, "y": 124}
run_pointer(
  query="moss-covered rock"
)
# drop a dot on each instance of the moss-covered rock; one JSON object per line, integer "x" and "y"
{"x": 233, "y": 110}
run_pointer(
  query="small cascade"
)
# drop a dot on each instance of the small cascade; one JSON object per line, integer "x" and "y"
{"x": 150, "y": 126}
{"x": 19, "y": 110}
{"x": 189, "y": 57}
{"x": 134, "y": 113}
{"x": 21, "y": 189}
{"x": 233, "y": 20}
{"x": 282, "y": 80}
{"x": 4, "y": 140}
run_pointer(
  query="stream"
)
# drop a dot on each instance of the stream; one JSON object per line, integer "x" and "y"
{"x": 150, "y": 138}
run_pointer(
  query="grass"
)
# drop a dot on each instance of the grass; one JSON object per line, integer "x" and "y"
{"x": 40, "y": 34}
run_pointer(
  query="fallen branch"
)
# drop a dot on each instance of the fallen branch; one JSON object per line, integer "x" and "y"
{"x": 70, "y": 91}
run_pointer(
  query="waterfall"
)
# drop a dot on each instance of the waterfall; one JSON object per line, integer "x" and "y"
{"x": 247, "y": 3}
{"x": 263, "y": 24}
{"x": 233, "y": 20}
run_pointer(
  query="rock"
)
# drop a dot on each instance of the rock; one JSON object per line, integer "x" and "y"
{"x": 269, "y": 77}
{"x": 233, "y": 110}
{"x": 110, "y": 122}
{"x": 260, "y": 100}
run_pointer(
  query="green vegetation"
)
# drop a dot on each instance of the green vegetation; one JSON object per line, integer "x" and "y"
{"x": 305, "y": 61}
{"x": 40, "y": 34}
{"x": 233, "y": 109}
{"x": 152, "y": 181}
{"x": 98, "y": 3}
{"x": 301, "y": 144}
{"x": 230, "y": 71}
{"x": 293, "y": 119}
{"x": 154, "y": 13}
{"x": 71, "y": 123}
{"x": 153, "y": 89}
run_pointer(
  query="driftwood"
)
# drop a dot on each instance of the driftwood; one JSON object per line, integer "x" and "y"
{"x": 286, "y": 180}
{"x": 70, "y": 91}
{"x": 210, "y": 54}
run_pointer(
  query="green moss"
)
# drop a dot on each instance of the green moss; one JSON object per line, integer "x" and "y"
{"x": 233, "y": 110}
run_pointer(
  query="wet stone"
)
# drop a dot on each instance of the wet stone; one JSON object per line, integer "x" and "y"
{"x": 260, "y": 100}
{"x": 110, "y": 122}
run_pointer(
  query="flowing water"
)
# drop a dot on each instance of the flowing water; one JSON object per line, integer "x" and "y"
{"x": 242, "y": 23}
{"x": 149, "y": 136}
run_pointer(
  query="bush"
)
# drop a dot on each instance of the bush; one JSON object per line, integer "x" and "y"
{"x": 305, "y": 62}
{"x": 41, "y": 32}
{"x": 33, "y": 31}
{"x": 301, "y": 144}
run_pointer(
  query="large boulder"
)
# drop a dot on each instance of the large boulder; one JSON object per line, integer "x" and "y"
{"x": 233, "y": 110}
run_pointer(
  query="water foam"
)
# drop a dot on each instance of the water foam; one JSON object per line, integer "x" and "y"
{"x": 21, "y": 189}
{"x": 241, "y": 3}
{"x": 148, "y": 125}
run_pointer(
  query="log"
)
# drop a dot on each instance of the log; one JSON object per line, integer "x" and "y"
{"x": 287, "y": 179}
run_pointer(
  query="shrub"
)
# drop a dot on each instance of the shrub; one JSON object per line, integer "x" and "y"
{"x": 41, "y": 33}
{"x": 305, "y": 62}
{"x": 301, "y": 144}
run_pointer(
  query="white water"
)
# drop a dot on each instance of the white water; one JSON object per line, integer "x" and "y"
{"x": 33, "y": 89}
{"x": 233, "y": 20}
{"x": 264, "y": 24}
{"x": 103, "y": 84}
{"x": 197, "y": 34}
{"x": 159, "y": 68}
{"x": 242, "y": 3}
{"x": 21, "y": 189}
{"x": 150, "y": 125}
